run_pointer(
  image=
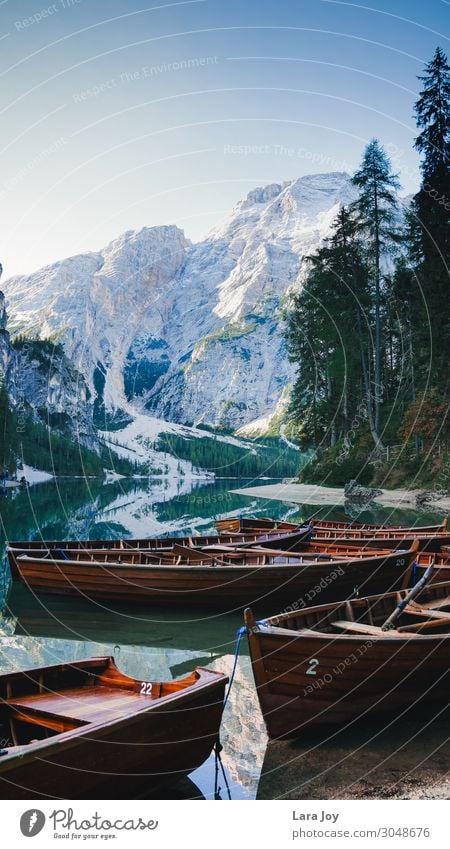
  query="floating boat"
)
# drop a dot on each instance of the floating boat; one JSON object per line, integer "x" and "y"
{"x": 74, "y": 727}
{"x": 272, "y": 539}
{"x": 260, "y": 554}
{"x": 231, "y": 579}
{"x": 250, "y": 525}
{"x": 333, "y": 664}
{"x": 430, "y": 537}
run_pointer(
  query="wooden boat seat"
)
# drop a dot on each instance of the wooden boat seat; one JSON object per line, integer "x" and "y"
{"x": 78, "y": 706}
{"x": 357, "y": 627}
{"x": 428, "y": 612}
{"x": 372, "y": 630}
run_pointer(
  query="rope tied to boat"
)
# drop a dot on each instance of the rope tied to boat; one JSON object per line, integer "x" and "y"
{"x": 240, "y": 633}
{"x": 62, "y": 553}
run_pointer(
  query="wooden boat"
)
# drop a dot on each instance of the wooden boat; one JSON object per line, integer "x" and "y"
{"x": 250, "y": 525}
{"x": 71, "y": 728}
{"x": 333, "y": 664}
{"x": 358, "y": 526}
{"x": 232, "y": 581}
{"x": 432, "y": 542}
{"x": 255, "y": 555}
{"x": 158, "y": 545}
{"x": 431, "y": 538}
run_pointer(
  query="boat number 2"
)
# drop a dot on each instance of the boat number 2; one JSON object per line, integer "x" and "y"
{"x": 312, "y": 666}
{"x": 146, "y": 688}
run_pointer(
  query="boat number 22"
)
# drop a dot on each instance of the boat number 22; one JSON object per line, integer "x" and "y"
{"x": 146, "y": 688}
{"x": 313, "y": 662}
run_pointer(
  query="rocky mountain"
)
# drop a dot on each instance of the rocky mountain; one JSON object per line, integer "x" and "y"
{"x": 187, "y": 332}
{"x": 42, "y": 382}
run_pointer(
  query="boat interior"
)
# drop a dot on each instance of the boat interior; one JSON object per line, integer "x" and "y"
{"x": 429, "y": 614}
{"x": 38, "y": 704}
{"x": 215, "y": 555}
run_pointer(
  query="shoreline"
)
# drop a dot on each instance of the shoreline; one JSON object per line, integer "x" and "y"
{"x": 310, "y": 494}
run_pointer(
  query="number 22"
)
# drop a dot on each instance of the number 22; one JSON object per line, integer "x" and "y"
{"x": 146, "y": 688}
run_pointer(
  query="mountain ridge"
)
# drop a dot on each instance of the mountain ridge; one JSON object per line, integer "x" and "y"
{"x": 189, "y": 332}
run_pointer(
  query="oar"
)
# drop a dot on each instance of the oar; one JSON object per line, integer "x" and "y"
{"x": 416, "y": 589}
{"x": 344, "y": 516}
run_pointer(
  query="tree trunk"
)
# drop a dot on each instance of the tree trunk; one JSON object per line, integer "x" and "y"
{"x": 333, "y": 417}
{"x": 368, "y": 393}
{"x": 377, "y": 318}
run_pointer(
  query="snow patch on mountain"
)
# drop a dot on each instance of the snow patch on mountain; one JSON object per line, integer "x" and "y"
{"x": 190, "y": 333}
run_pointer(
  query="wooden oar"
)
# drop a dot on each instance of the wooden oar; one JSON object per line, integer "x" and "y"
{"x": 392, "y": 619}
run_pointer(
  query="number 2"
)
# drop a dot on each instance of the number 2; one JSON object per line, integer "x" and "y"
{"x": 146, "y": 688}
{"x": 312, "y": 666}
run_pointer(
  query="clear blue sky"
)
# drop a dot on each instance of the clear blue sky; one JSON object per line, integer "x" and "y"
{"x": 121, "y": 114}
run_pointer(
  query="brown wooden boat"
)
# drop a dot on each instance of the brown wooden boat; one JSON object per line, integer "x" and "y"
{"x": 432, "y": 542}
{"x": 364, "y": 526}
{"x": 250, "y": 525}
{"x": 431, "y": 537}
{"x": 230, "y": 581}
{"x": 158, "y": 545}
{"x": 255, "y": 555}
{"x": 223, "y": 555}
{"x": 333, "y": 664}
{"x": 75, "y": 727}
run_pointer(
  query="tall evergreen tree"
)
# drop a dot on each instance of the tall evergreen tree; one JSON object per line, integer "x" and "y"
{"x": 430, "y": 242}
{"x": 375, "y": 209}
{"x": 326, "y": 337}
{"x": 8, "y": 433}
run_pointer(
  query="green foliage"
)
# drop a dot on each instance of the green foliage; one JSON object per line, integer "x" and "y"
{"x": 371, "y": 348}
{"x": 8, "y": 433}
{"x": 375, "y": 210}
{"x": 327, "y": 336}
{"x": 270, "y": 458}
{"x": 429, "y": 243}
{"x": 45, "y": 449}
{"x": 334, "y": 468}
{"x": 42, "y": 350}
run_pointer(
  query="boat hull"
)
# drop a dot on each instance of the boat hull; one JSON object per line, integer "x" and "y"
{"x": 225, "y": 587}
{"x": 377, "y": 681}
{"x": 309, "y": 680}
{"x": 150, "y": 748}
{"x": 157, "y": 546}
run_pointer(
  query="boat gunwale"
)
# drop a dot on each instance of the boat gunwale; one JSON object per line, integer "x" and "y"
{"x": 151, "y": 567}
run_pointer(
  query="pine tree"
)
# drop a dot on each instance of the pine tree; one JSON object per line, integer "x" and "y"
{"x": 375, "y": 210}
{"x": 430, "y": 242}
{"x": 326, "y": 337}
{"x": 8, "y": 433}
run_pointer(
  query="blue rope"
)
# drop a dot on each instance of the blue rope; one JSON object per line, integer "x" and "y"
{"x": 414, "y": 573}
{"x": 240, "y": 634}
{"x": 63, "y": 553}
